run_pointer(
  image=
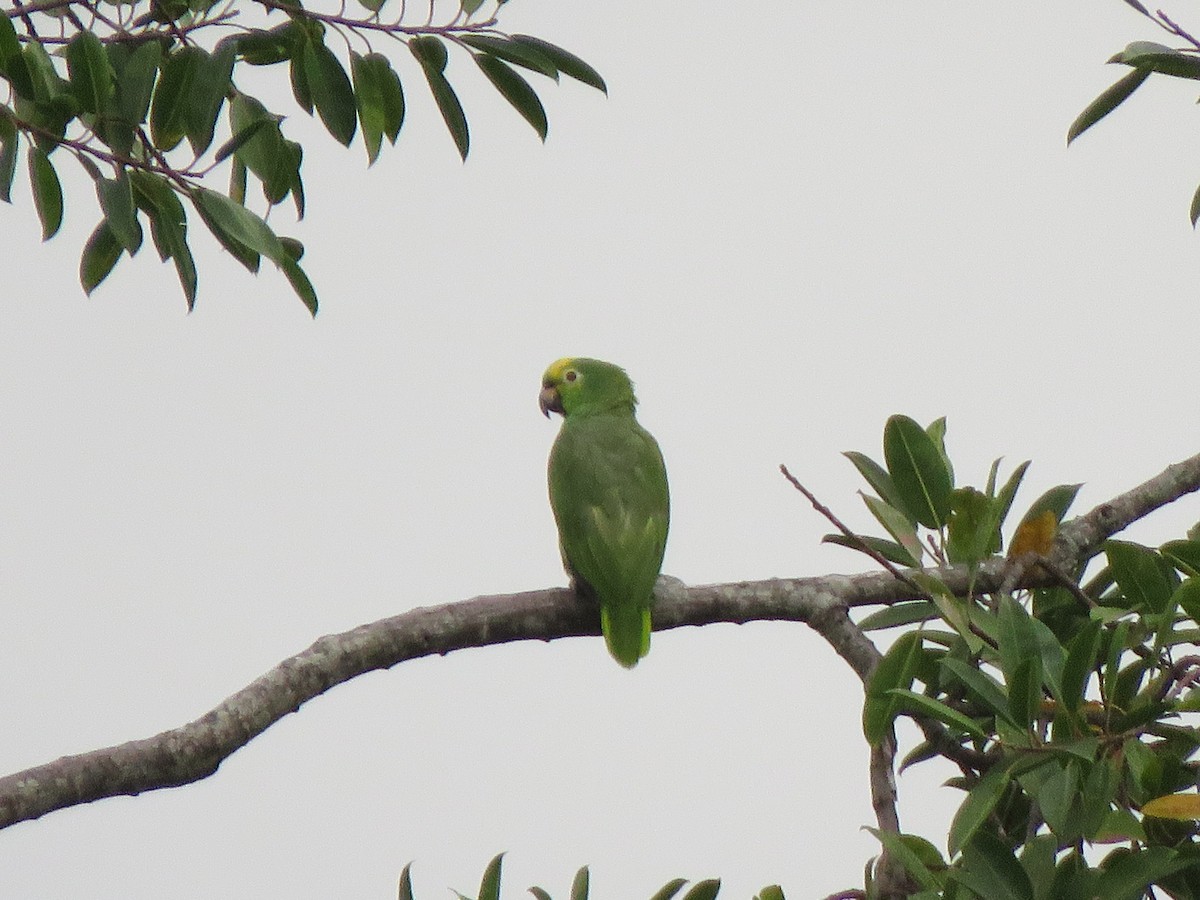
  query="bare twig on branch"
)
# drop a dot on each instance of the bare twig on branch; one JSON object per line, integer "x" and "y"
{"x": 194, "y": 751}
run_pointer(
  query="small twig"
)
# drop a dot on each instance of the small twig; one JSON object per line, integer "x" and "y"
{"x": 1165, "y": 21}
{"x": 859, "y": 543}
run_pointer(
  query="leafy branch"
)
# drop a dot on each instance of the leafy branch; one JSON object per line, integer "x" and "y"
{"x": 950, "y": 721}
{"x": 136, "y": 96}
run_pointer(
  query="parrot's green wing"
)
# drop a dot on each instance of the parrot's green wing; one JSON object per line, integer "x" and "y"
{"x": 608, "y": 489}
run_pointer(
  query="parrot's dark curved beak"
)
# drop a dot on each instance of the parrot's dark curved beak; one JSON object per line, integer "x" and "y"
{"x": 549, "y": 401}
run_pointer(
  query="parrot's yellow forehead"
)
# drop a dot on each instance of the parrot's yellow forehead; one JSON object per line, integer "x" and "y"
{"x": 558, "y": 368}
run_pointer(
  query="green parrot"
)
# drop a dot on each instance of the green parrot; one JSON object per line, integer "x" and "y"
{"x": 608, "y": 490}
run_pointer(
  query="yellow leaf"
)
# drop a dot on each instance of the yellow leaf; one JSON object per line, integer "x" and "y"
{"x": 1034, "y": 536}
{"x": 1173, "y": 806}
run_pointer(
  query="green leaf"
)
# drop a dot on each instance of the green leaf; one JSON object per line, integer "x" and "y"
{"x": 47, "y": 192}
{"x": 300, "y": 284}
{"x": 260, "y": 47}
{"x": 876, "y": 476}
{"x": 913, "y": 702}
{"x": 92, "y": 75}
{"x": 515, "y": 52}
{"x": 235, "y": 143}
{"x": 368, "y": 96}
{"x": 897, "y": 525}
{"x": 172, "y": 99}
{"x": 889, "y": 550}
{"x": 12, "y": 62}
{"x": 9, "y": 144}
{"x": 116, "y": 200}
{"x": 567, "y": 63}
{"x": 168, "y": 226}
{"x": 489, "y": 887}
{"x": 515, "y": 90}
{"x": 985, "y": 689}
{"x": 1004, "y": 500}
{"x": 972, "y": 527}
{"x": 431, "y": 54}
{"x": 1057, "y": 500}
{"x": 331, "y": 90}
{"x": 896, "y": 670}
{"x": 976, "y": 808}
{"x": 1081, "y": 661}
{"x": 299, "y": 77}
{"x": 539, "y": 893}
{"x": 670, "y": 889}
{"x": 405, "y": 891}
{"x": 1099, "y": 789}
{"x": 771, "y": 892}
{"x": 1183, "y": 555}
{"x": 1106, "y": 103}
{"x": 136, "y": 72}
{"x": 915, "y": 857}
{"x": 991, "y": 870}
{"x": 1127, "y": 873}
{"x": 100, "y": 254}
{"x": 899, "y": 614}
{"x": 1025, "y": 691}
{"x": 1055, "y": 787}
{"x": 210, "y": 85}
{"x": 1154, "y": 57}
{"x": 580, "y": 884}
{"x": 1141, "y": 575}
{"x": 704, "y": 890}
{"x": 263, "y": 150}
{"x": 918, "y": 471}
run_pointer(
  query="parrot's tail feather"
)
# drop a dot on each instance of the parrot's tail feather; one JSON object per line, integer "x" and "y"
{"x": 626, "y": 632}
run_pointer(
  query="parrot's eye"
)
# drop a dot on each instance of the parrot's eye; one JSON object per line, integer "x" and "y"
{"x": 571, "y": 375}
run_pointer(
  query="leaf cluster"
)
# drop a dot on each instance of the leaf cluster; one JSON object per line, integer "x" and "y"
{"x": 139, "y": 94}
{"x": 1145, "y": 58}
{"x": 489, "y": 887}
{"x": 1065, "y": 709}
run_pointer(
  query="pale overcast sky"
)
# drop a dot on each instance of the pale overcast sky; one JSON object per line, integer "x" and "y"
{"x": 788, "y": 221}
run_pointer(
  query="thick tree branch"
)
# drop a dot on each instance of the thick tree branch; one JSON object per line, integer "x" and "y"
{"x": 194, "y": 751}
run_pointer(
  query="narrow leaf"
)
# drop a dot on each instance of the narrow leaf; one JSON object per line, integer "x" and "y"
{"x": 896, "y": 670}
{"x": 169, "y": 109}
{"x": 876, "y": 476}
{"x": 913, "y": 702}
{"x": 431, "y": 53}
{"x": 47, "y": 192}
{"x": 515, "y": 90}
{"x": 405, "y": 891}
{"x": 100, "y": 254}
{"x": 567, "y": 63}
{"x": 210, "y": 85}
{"x": 889, "y": 550}
{"x": 515, "y": 52}
{"x": 92, "y": 75}
{"x": 489, "y": 886}
{"x": 580, "y": 884}
{"x": 670, "y": 889}
{"x": 368, "y": 99}
{"x": 976, "y": 808}
{"x": 116, "y": 199}
{"x": 989, "y": 865}
{"x": 9, "y": 144}
{"x": 1106, "y": 103}
{"x": 332, "y": 93}
{"x": 918, "y": 471}
{"x": 704, "y": 890}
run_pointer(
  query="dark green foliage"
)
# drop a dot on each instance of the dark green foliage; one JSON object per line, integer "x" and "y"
{"x": 489, "y": 887}
{"x": 1063, "y": 706}
{"x": 141, "y": 108}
